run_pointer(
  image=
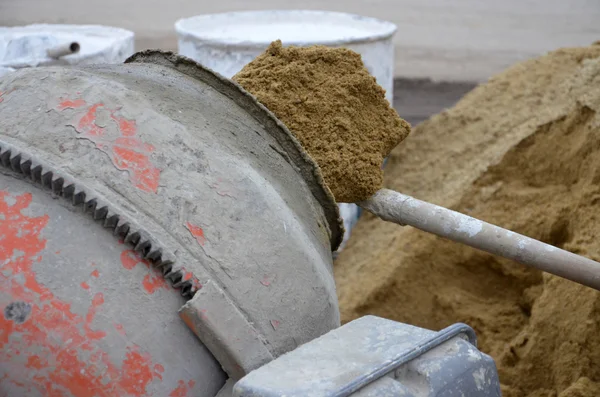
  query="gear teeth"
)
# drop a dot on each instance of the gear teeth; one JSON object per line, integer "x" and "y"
{"x": 90, "y": 206}
{"x": 15, "y": 163}
{"x": 122, "y": 230}
{"x": 154, "y": 256}
{"x": 100, "y": 213}
{"x": 179, "y": 281}
{"x": 143, "y": 247}
{"x": 164, "y": 263}
{"x": 5, "y": 158}
{"x": 175, "y": 275}
{"x": 111, "y": 222}
{"x": 133, "y": 238}
{"x": 166, "y": 267}
{"x": 47, "y": 179}
{"x": 79, "y": 198}
{"x": 26, "y": 168}
{"x": 68, "y": 191}
{"x": 36, "y": 174}
{"x": 186, "y": 289}
{"x": 57, "y": 185}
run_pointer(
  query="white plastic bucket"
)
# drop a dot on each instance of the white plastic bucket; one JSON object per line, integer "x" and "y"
{"x": 228, "y": 41}
{"x": 27, "y": 46}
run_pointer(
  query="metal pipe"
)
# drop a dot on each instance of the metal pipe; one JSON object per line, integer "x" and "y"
{"x": 396, "y": 207}
{"x": 63, "y": 50}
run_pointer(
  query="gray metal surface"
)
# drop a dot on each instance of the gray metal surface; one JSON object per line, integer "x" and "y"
{"x": 372, "y": 357}
{"x": 197, "y": 179}
{"x": 98, "y": 318}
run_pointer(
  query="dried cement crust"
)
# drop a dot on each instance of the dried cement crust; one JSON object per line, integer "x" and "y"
{"x": 521, "y": 151}
{"x": 331, "y": 103}
{"x": 304, "y": 164}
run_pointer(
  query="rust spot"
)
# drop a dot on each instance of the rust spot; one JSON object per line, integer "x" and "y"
{"x": 126, "y": 151}
{"x": 56, "y": 334}
{"x": 153, "y": 280}
{"x": 197, "y": 232}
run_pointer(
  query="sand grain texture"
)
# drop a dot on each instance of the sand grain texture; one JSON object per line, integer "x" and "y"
{"x": 521, "y": 151}
{"x": 330, "y": 102}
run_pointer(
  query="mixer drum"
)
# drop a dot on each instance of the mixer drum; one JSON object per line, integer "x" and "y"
{"x": 126, "y": 190}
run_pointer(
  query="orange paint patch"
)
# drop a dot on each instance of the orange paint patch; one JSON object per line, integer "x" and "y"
{"x": 68, "y": 104}
{"x": 182, "y": 389}
{"x": 95, "y": 273}
{"x": 85, "y": 285}
{"x": 153, "y": 283}
{"x": 159, "y": 370}
{"x": 153, "y": 280}
{"x": 126, "y": 151}
{"x": 35, "y": 362}
{"x": 197, "y": 232}
{"x": 139, "y": 375}
{"x": 49, "y": 327}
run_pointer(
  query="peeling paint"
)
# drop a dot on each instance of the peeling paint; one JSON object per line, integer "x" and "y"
{"x": 153, "y": 280}
{"x": 126, "y": 151}
{"x": 56, "y": 334}
{"x": 197, "y": 232}
{"x": 182, "y": 389}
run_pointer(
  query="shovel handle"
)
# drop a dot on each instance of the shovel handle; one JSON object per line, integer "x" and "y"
{"x": 398, "y": 208}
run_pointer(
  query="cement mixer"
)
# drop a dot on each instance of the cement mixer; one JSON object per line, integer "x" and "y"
{"x": 163, "y": 234}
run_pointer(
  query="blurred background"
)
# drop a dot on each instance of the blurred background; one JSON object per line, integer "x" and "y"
{"x": 442, "y": 48}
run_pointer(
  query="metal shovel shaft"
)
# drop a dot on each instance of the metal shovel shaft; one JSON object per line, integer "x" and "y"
{"x": 395, "y": 207}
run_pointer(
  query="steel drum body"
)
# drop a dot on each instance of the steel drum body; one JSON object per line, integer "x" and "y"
{"x": 126, "y": 190}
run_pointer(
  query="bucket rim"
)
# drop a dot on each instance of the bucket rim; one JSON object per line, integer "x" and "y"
{"x": 113, "y": 33}
{"x": 205, "y": 22}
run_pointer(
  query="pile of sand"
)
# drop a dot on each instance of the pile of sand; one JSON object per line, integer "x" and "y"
{"x": 336, "y": 109}
{"x": 523, "y": 152}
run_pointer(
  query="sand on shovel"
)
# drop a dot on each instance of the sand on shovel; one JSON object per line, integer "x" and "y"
{"x": 334, "y": 107}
